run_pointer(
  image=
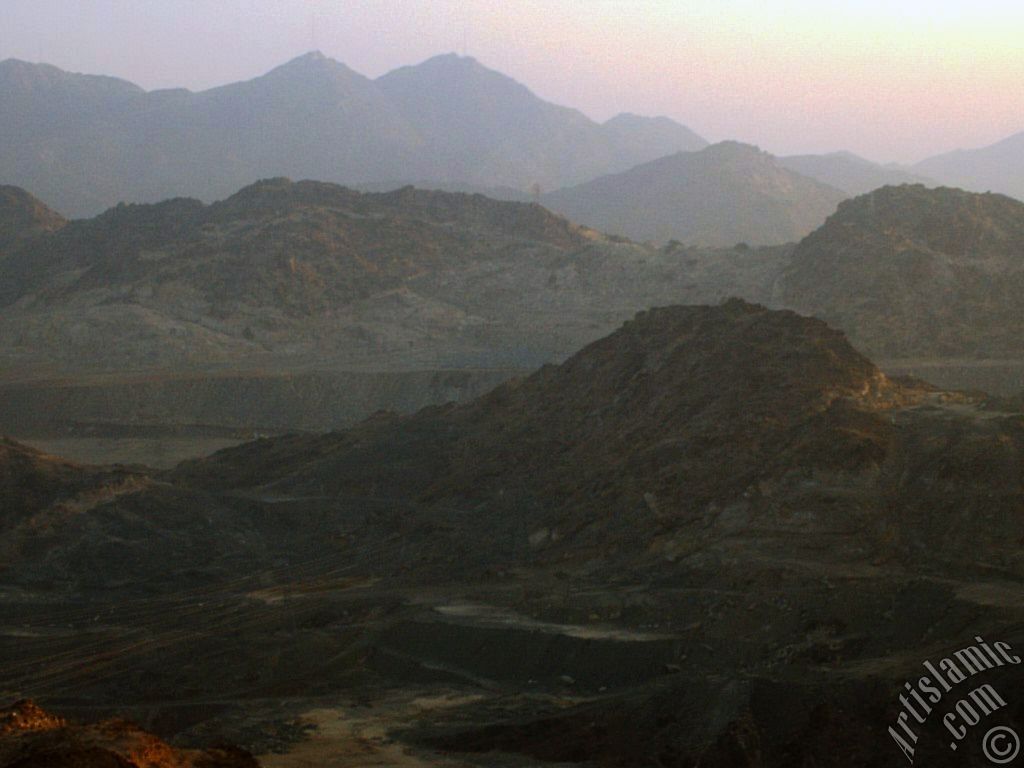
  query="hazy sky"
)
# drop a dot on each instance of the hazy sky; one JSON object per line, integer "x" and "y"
{"x": 892, "y": 80}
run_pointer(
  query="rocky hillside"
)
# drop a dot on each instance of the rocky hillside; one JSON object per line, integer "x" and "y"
{"x": 642, "y": 555}
{"x": 913, "y": 272}
{"x": 23, "y": 217}
{"x": 30, "y": 736}
{"x": 32, "y": 482}
{"x": 683, "y": 410}
{"x": 84, "y": 143}
{"x": 309, "y": 275}
{"x": 726, "y": 194}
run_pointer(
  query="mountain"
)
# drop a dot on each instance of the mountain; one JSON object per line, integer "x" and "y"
{"x": 483, "y": 127}
{"x": 996, "y": 168}
{"x": 683, "y": 406}
{"x": 641, "y": 555}
{"x": 85, "y": 143}
{"x": 847, "y": 172}
{"x": 639, "y": 136}
{"x": 294, "y": 274}
{"x": 912, "y": 272}
{"x": 723, "y": 195}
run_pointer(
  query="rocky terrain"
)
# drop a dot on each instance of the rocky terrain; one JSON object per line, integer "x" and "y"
{"x": 718, "y": 536}
{"x": 85, "y": 142}
{"x": 917, "y": 273}
{"x": 321, "y": 276}
{"x": 30, "y": 736}
{"x": 725, "y": 194}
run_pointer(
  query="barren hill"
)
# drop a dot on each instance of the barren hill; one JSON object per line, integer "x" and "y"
{"x": 707, "y": 517}
{"x": 725, "y": 194}
{"x": 296, "y": 275}
{"x": 915, "y": 272}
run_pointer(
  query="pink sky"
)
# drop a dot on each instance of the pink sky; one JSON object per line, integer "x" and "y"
{"x": 890, "y": 81}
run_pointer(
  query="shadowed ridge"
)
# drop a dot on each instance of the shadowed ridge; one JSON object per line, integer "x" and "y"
{"x": 683, "y": 405}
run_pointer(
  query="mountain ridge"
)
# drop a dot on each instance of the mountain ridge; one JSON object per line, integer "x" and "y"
{"x": 997, "y": 167}
{"x": 107, "y": 140}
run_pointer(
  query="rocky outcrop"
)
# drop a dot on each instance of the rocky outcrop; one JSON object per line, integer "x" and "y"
{"x": 30, "y": 736}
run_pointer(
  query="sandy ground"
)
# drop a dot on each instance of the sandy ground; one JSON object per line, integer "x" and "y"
{"x": 357, "y": 737}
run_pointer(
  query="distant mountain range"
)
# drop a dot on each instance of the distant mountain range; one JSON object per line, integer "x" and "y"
{"x": 852, "y": 174}
{"x": 725, "y": 194}
{"x": 996, "y": 168}
{"x": 84, "y": 143}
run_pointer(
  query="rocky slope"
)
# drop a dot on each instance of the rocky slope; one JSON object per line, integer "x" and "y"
{"x": 23, "y": 217}
{"x": 30, "y": 736}
{"x": 726, "y": 194}
{"x": 719, "y": 535}
{"x": 913, "y": 272}
{"x": 684, "y": 417}
{"x": 289, "y": 276}
{"x": 84, "y": 143}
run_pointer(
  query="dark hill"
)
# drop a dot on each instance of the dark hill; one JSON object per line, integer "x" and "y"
{"x": 912, "y": 272}
{"x": 682, "y": 408}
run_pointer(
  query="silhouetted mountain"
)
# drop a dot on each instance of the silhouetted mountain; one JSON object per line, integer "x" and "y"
{"x": 723, "y": 195}
{"x": 483, "y": 127}
{"x": 85, "y": 143}
{"x": 847, "y": 172}
{"x": 912, "y": 272}
{"x": 639, "y": 137}
{"x": 996, "y": 168}
{"x": 680, "y": 408}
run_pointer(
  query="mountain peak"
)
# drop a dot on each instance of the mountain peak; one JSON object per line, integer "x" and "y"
{"x": 451, "y": 71}
{"x": 734, "y": 149}
{"x": 955, "y": 256}
{"x": 313, "y": 63}
{"x": 719, "y": 196}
